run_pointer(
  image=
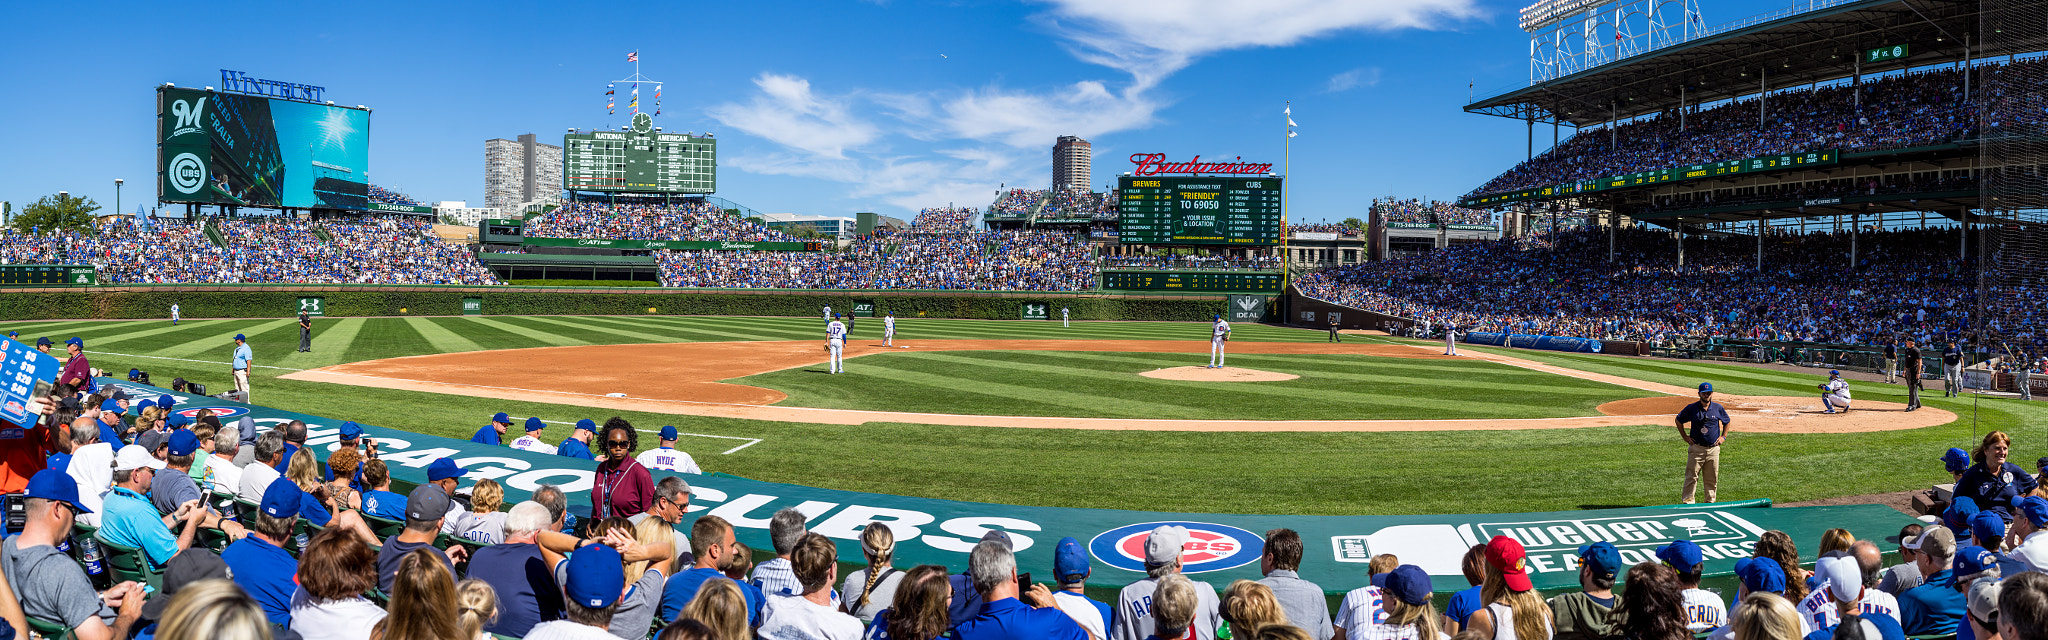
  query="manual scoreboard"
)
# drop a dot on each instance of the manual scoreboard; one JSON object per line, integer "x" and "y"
{"x": 639, "y": 159}
{"x": 1194, "y": 210}
{"x": 1193, "y": 281}
{"x": 48, "y": 275}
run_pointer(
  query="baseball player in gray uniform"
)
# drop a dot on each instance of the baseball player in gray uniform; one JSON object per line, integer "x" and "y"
{"x": 1219, "y": 333}
{"x": 835, "y": 342}
{"x": 889, "y": 329}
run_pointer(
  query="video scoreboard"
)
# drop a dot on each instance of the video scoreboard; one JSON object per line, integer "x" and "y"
{"x": 639, "y": 159}
{"x": 1193, "y": 281}
{"x": 48, "y": 275}
{"x": 1195, "y": 210}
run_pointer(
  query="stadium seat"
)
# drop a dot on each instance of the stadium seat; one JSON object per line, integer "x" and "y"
{"x": 383, "y": 527}
{"x": 128, "y": 564}
{"x": 49, "y": 630}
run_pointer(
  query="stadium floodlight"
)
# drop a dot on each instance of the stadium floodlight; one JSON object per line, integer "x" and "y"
{"x": 1548, "y": 12}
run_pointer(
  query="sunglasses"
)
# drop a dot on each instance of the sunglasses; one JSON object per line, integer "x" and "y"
{"x": 618, "y": 443}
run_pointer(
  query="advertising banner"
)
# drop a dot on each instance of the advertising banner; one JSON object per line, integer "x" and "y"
{"x": 1034, "y": 311}
{"x": 472, "y": 306}
{"x": 1222, "y": 547}
{"x": 233, "y": 149}
{"x": 864, "y": 308}
{"x": 22, "y": 367}
{"x": 315, "y": 307}
{"x": 1247, "y": 308}
{"x": 676, "y": 245}
{"x": 1520, "y": 341}
{"x": 400, "y": 208}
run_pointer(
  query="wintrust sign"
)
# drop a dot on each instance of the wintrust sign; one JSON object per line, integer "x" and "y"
{"x": 1154, "y": 164}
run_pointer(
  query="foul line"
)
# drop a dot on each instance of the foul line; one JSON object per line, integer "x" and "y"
{"x": 750, "y": 441}
{"x": 131, "y": 355}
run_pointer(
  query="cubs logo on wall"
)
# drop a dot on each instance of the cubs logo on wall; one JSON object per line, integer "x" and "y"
{"x": 1210, "y": 547}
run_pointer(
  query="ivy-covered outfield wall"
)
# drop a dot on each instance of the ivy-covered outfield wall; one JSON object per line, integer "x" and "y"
{"x": 273, "y": 301}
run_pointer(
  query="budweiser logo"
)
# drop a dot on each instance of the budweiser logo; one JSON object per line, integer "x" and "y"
{"x": 1152, "y": 164}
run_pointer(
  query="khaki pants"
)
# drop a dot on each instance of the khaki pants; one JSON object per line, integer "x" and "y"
{"x": 1701, "y": 463}
{"x": 242, "y": 382}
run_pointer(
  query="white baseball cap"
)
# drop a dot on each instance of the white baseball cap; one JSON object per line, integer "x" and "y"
{"x": 133, "y": 457}
{"x": 1163, "y": 545}
{"x": 1843, "y": 575}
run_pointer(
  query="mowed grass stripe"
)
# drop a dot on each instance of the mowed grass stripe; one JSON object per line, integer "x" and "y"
{"x": 154, "y": 338}
{"x": 221, "y": 339}
{"x": 32, "y": 330}
{"x": 729, "y": 329}
{"x": 480, "y": 333}
{"x": 331, "y": 340}
{"x": 441, "y": 338}
{"x": 583, "y": 325}
{"x": 1082, "y": 402}
{"x": 544, "y": 337}
{"x": 386, "y": 338}
{"x": 661, "y": 332}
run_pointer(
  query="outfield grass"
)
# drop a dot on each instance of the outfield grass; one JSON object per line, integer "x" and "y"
{"x": 1281, "y": 473}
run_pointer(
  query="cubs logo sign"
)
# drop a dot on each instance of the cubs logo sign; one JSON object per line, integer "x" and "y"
{"x": 1210, "y": 547}
{"x": 222, "y": 413}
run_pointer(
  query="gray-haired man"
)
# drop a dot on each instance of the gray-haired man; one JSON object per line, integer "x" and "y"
{"x": 1133, "y": 619}
{"x": 775, "y": 576}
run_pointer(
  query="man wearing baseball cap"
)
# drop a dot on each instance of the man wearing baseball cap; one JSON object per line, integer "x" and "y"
{"x": 189, "y": 566}
{"x": 1162, "y": 558}
{"x": 1934, "y": 607}
{"x": 666, "y": 457}
{"x": 50, "y": 585}
{"x": 1834, "y": 393}
{"x": 1841, "y": 591}
{"x": 577, "y": 445}
{"x": 1757, "y": 575}
{"x": 1704, "y": 427}
{"x": 1009, "y": 611}
{"x": 1983, "y": 610}
{"x": 494, "y": 433}
{"x": 1301, "y": 600}
{"x": 443, "y": 474}
{"x": 1587, "y": 613}
{"x": 531, "y": 441}
{"x": 1905, "y": 575}
{"x": 2029, "y": 526}
{"x": 175, "y": 485}
{"x": 1703, "y": 609}
{"x": 131, "y": 520}
{"x": 1070, "y": 570}
{"x": 595, "y": 581}
{"x": 261, "y": 565}
{"x": 424, "y": 510}
{"x": 243, "y": 359}
{"x": 77, "y": 372}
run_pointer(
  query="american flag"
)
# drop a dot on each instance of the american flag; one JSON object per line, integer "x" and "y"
{"x": 633, "y": 57}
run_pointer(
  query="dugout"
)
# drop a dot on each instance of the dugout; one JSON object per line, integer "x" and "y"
{"x": 582, "y": 266}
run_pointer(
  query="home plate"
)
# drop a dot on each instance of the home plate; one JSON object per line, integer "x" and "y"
{"x": 1225, "y": 374}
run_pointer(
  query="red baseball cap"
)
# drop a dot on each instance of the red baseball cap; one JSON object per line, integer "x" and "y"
{"x": 1507, "y": 558}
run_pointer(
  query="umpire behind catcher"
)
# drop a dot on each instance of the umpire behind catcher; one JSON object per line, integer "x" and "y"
{"x": 1704, "y": 426}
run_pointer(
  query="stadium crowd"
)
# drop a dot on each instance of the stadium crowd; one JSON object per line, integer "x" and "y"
{"x": 245, "y": 533}
{"x": 382, "y": 250}
{"x": 973, "y": 260}
{"x": 382, "y": 195}
{"x": 1908, "y": 283}
{"x": 1906, "y": 110}
{"x": 1018, "y": 202}
{"x": 945, "y": 219}
{"x": 692, "y": 220}
{"x": 1413, "y": 210}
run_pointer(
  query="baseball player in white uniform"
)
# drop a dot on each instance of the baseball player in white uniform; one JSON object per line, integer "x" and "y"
{"x": 531, "y": 441}
{"x": 1219, "y": 333}
{"x": 835, "y": 341}
{"x": 1063, "y": 318}
{"x": 1450, "y": 339}
{"x": 828, "y": 313}
{"x": 174, "y": 314}
{"x": 888, "y": 329}
{"x": 1835, "y": 393}
{"x": 667, "y": 457}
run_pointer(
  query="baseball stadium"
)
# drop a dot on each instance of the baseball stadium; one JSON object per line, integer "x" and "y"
{"x": 289, "y": 403}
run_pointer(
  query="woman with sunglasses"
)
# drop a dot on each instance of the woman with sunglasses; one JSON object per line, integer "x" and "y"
{"x": 623, "y": 487}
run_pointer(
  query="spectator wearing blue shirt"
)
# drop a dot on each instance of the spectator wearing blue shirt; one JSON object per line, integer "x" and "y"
{"x": 1302, "y": 600}
{"x": 711, "y": 542}
{"x": 494, "y": 433}
{"x": 518, "y": 570}
{"x": 1993, "y": 482}
{"x": 243, "y": 360}
{"x": 260, "y": 564}
{"x": 994, "y": 570}
{"x": 1463, "y": 603}
{"x": 294, "y": 439}
{"x": 379, "y": 500}
{"x": 577, "y": 445}
{"x": 130, "y": 520}
{"x": 111, "y": 428}
{"x": 1935, "y": 607}
{"x": 1704, "y": 427}
{"x": 593, "y": 582}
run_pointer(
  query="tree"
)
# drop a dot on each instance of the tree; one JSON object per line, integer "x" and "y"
{"x": 1354, "y": 223}
{"x": 56, "y": 212}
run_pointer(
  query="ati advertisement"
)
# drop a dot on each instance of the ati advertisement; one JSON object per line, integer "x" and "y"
{"x": 232, "y": 149}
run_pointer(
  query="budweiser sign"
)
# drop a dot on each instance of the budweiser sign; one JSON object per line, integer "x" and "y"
{"x": 1152, "y": 164}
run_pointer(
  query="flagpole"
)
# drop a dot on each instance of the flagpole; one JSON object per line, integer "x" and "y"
{"x": 1287, "y": 167}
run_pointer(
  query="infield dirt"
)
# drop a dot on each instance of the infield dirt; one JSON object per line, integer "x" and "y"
{"x": 683, "y": 378}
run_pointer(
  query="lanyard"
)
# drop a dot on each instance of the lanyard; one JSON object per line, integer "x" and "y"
{"x": 604, "y": 503}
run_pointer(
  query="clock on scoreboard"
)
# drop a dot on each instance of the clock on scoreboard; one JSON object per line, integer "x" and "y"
{"x": 1197, "y": 210}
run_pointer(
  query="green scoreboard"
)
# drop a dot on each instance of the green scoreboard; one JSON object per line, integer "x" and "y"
{"x": 1193, "y": 210}
{"x": 48, "y": 275}
{"x": 1193, "y": 281}
{"x": 639, "y": 159}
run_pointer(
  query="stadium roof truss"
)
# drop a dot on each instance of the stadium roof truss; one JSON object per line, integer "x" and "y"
{"x": 1629, "y": 58}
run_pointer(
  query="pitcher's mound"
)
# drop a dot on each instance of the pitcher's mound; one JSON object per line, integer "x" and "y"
{"x": 1226, "y": 374}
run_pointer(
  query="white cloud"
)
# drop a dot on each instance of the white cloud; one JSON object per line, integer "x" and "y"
{"x": 1355, "y": 78}
{"x": 1151, "y": 39}
{"x": 788, "y": 113}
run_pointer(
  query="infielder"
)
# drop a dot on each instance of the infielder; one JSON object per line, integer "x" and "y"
{"x": 174, "y": 314}
{"x": 531, "y": 441}
{"x": 667, "y": 457}
{"x": 1450, "y": 339}
{"x": 835, "y": 342}
{"x": 888, "y": 331}
{"x": 243, "y": 358}
{"x": 1835, "y": 393}
{"x": 1218, "y": 334}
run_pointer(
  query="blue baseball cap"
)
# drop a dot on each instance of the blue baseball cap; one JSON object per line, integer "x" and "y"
{"x": 1379, "y": 580}
{"x": 1987, "y": 527}
{"x": 2041, "y": 465}
{"x": 1706, "y": 387}
{"x": 139, "y": 406}
{"x": 134, "y": 373}
{"x": 2034, "y": 509}
{"x": 1956, "y": 460}
{"x": 1069, "y": 561}
{"x": 444, "y": 468}
{"x": 51, "y": 484}
{"x": 668, "y": 432}
{"x": 534, "y": 424}
{"x": 1970, "y": 560}
{"x": 1602, "y": 558}
{"x": 1409, "y": 583}
{"x": 1682, "y": 555}
{"x": 111, "y": 405}
{"x": 1958, "y": 515}
{"x": 596, "y": 576}
{"x": 241, "y": 337}
{"x": 501, "y": 417}
{"x": 14, "y": 334}
{"x": 281, "y": 499}
{"x": 1832, "y": 373}
{"x": 75, "y": 340}
{"x": 351, "y": 431}
{"x": 183, "y": 443}
{"x": 1761, "y": 575}
{"x": 166, "y": 401}
{"x": 44, "y": 341}
{"x": 177, "y": 421}
{"x": 586, "y": 425}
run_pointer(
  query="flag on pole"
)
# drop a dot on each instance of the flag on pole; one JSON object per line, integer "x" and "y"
{"x": 657, "y": 91}
{"x": 608, "y": 90}
{"x": 1290, "y": 134}
{"x": 633, "y": 57}
{"x": 1290, "y": 122}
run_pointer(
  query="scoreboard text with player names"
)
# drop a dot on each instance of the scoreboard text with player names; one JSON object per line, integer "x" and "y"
{"x": 637, "y": 162}
{"x": 1193, "y": 281}
{"x": 1194, "y": 210}
{"x": 48, "y": 275}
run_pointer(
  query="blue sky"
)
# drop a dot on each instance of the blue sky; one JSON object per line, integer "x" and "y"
{"x": 819, "y": 107}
